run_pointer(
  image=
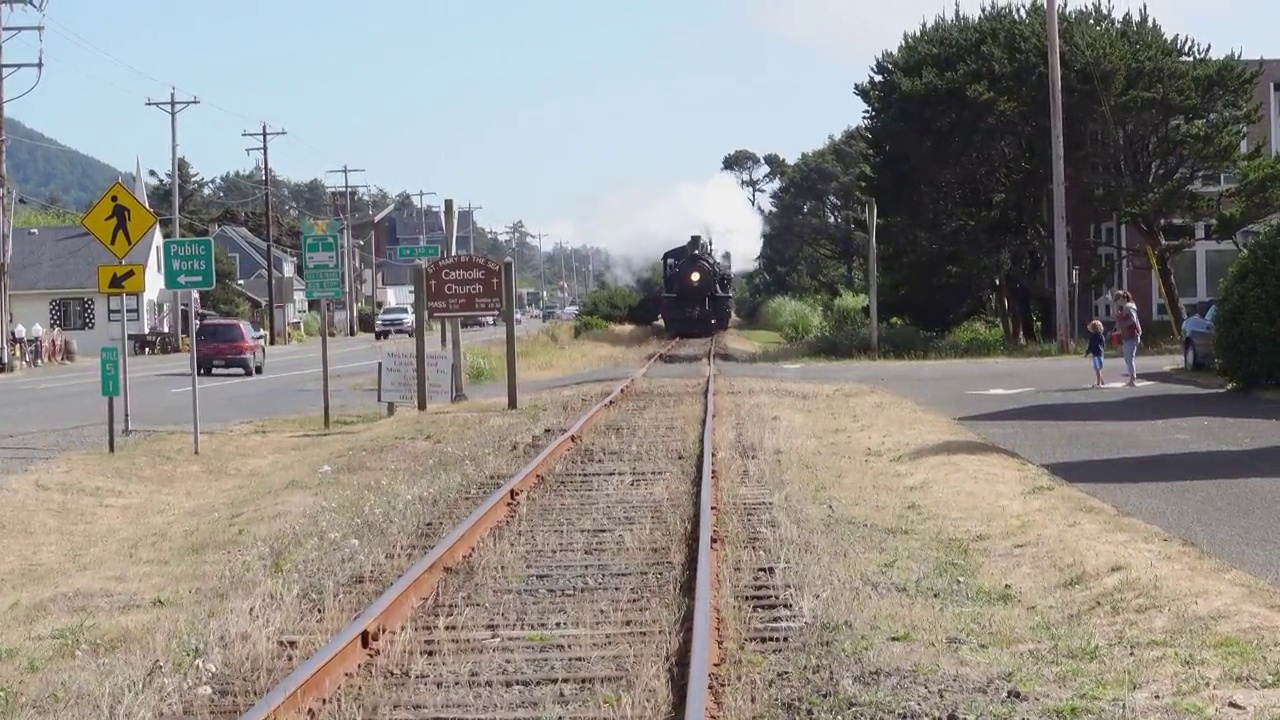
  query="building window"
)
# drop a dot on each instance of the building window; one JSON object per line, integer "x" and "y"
{"x": 1110, "y": 273}
{"x": 1217, "y": 262}
{"x": 235, "y": 257}
{"x": 1198, "y": 271}
{"x": 71, "y": 314}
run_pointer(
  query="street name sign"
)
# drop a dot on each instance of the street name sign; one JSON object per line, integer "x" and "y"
{"x": 417, "y": 252}
{"x": 122, "y": 279}
{"x": 464, "y": 286}
{"x": 188, "y": 264}
{"x": 119, "y": 221}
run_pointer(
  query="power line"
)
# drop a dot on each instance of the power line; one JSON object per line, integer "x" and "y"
{"x": 7, "y": 70}
{"x": 265, "y": 138}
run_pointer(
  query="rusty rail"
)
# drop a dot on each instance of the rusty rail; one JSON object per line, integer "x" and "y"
{"x": 322, "y": 673}
{"x": 698, "y": 700}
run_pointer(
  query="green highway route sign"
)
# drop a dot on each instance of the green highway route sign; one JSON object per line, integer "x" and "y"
{"x": 418, "y": 252}
{"x": 188, "y": 264}
{"x": 109, "y": 359}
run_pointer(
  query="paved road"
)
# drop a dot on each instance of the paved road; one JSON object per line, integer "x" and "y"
{"x": 44, "y": 401}
{"x": 1202, "y": 464}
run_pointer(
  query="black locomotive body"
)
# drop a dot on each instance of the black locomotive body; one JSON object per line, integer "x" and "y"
{"x": 697, "y": 291}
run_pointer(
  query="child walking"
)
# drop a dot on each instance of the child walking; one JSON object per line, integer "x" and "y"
{"x": 1094, "y": 351}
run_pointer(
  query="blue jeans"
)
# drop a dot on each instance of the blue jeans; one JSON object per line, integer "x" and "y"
{"x": 1130, "y": 352}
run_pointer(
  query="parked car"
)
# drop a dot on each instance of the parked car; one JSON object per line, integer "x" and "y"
{"x": 393, "y": 320}
{"x": 1197, "y": 338}
{"x": 476, "y": 322}
{"x": 223, "y": 343}
{"x": 570, "y": 313}
{"x": 550, "y": 312}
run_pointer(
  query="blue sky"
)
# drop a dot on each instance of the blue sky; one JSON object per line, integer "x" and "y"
{"x": 597, "y": 121}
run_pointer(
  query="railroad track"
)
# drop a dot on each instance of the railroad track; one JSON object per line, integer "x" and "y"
{"x": 582, "y": 588}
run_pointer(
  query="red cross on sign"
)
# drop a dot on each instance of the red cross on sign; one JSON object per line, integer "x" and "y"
{"x": 464, "y": 286}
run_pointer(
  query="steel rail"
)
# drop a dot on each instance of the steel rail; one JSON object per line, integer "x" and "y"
{"x": 317, "y": 678}
{"x": 703, "y": 653}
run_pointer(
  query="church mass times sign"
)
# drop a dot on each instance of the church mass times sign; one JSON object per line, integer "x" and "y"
{"x": 464, "y": 286}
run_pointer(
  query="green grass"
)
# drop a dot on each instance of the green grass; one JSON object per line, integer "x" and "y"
{"x": 763, "y": 338}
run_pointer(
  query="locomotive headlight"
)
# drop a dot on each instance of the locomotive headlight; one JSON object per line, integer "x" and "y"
{"x": 695, "y": 276}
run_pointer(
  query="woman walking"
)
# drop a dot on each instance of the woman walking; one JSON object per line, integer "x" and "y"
{"x": 1130, "y": 331}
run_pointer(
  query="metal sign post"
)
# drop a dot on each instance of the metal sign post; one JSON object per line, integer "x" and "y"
{"x": 119, "y": 222}
{"x": 322, "y": 265}
{"x": 189, "y": 265}
{"x": 325, "y": 308}
{"x": 109, "y": 361}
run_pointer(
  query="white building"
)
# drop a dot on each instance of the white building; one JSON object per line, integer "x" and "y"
{"x": 55, "y": 283}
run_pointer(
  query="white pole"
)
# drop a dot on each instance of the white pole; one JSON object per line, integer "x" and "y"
{"x": 195, "y": 388}
{"x": 873, "y": 280}
{"x": 1061, "y": 305}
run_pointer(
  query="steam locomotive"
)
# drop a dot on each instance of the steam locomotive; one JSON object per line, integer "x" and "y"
{"x": 697, "y": 290}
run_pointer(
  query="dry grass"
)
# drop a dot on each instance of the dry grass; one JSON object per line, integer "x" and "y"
{"x": 552, "y": 352}
{"x": 516, "y": 609}
{"x": 555, "y": 352}
{"x": 937, "y": 575}
{"x": 136, "y": 585}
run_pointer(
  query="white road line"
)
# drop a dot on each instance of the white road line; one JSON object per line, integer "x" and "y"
{"x": 273, "y": 376}
{"x": 87, "y": 377}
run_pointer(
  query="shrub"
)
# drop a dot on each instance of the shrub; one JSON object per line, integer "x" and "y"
{"x": 311, "y": 324}
{"x": 364, "y": 319}
{"x": 796, "y": 320}
{"x": 1247, "y": 345}
{"x": 480, "y": 368}
{"x": 588, "y": 323}
{"x": 847, "y": 330}
{"x": 612, "y": 304}
{"x": 976, "y": 337}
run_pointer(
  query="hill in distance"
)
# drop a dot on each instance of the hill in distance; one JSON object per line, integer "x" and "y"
{"x": 45, "y": 169}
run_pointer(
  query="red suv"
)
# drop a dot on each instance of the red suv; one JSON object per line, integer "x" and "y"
{"x": 229, "y": 343}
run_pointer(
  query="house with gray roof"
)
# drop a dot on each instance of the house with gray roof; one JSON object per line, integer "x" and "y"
{"x": 249, "y": 253}
{"x": 55, "y": 284}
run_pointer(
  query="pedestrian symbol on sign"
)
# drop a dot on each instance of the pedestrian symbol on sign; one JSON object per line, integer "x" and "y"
{"x": 121, "y": 215}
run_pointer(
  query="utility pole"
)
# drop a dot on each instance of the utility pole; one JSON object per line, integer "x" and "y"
{"x": 8, "y": 32}
{"x": 471, "y": 224}
{"x": 1060, "y": 303}
{"x": 347, "y": 255}
{"x": 264, "y": 137}
{"x": 421, "y": 196}
{"x": 512, "y": 231}
{"x": 542, "y": 274}
{"x": 573, "y": 260}
{"x": 173, "y": 106}
{"x": 564, "y": 288}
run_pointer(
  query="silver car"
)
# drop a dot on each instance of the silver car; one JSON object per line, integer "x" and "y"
{"x": 1197, "y": 338}
{"x": 393, "y": 320}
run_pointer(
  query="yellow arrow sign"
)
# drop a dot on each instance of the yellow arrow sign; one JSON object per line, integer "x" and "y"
{"x": 122, "y": 279}
{"x": 119, "y": 220}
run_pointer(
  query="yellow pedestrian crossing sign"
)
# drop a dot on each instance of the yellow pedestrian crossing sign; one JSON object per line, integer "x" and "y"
{"x": 119, "y": 221}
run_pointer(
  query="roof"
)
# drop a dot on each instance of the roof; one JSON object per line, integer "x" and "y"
{"x": 47, "y": 259}
{"x": 252, "y": 242}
